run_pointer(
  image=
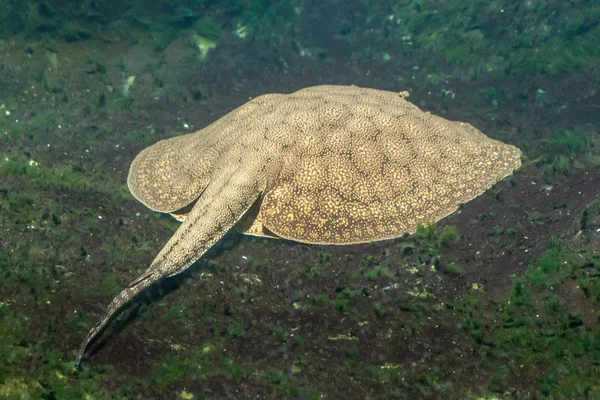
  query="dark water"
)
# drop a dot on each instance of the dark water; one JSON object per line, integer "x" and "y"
{"x": 499, "y": 300}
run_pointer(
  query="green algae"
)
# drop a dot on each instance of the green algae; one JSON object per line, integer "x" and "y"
{"x": 343, "y": 301}
{"x": 205, "y": 361}
{"x": 378, "y": 272}
{"x": 482, "y": 37}
{"x": 453, "y": 269}
{"x": 590, "y": 213}
{"x": 536, "y": 329}
{"x": 32, "y": 370}
{"x": 564, "y": 150}
{"x": 59, "y": 177}
{"x": 359, "y": 299}
{"x": 433, "y": 238}
{"x": 261, "y": 16}
{"x": 552, "y": 266}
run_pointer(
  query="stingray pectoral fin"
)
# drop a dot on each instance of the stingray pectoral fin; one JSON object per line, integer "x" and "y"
{"x": 170, "y": 174}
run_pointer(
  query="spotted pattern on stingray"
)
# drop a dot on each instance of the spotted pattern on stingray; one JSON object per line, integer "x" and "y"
{"x": 326, "y": 164}
{"x": 381, "y": 167}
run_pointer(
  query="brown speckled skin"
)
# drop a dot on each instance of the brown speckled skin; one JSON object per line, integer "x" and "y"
{"x": 331, "y": 164}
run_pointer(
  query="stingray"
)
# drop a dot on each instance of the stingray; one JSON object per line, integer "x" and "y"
{"x": 323, "y": 165}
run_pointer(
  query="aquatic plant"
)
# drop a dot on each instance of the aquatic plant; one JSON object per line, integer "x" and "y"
{"x": 565, "y": 149}
{"x": 431, "y": 238}
{"x": 590, "y": 216}
{"x": 547, "y": 320}
{"x": 481, "y": 37}
{"x": 264, "y": 17}
{"x": 58, "y": 176}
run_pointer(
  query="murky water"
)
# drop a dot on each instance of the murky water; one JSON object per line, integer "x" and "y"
{"x": 500, "y": 299}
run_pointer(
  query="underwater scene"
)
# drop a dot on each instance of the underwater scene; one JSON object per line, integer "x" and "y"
{"x": 299, "y": 199}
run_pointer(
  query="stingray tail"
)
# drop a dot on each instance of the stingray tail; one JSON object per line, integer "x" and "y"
{"x": 114, "y": 308}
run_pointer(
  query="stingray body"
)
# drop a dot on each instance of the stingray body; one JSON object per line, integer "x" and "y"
{"x": 326, "y": 164}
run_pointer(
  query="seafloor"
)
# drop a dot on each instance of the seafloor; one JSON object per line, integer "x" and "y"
{"x": 499, "y": 300}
